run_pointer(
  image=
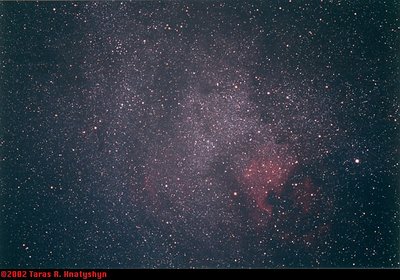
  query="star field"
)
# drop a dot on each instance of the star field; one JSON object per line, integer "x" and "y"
{"x": 199, "y": 134}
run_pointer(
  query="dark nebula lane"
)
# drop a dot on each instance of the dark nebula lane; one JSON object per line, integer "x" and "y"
{"x": 191, "y": 134}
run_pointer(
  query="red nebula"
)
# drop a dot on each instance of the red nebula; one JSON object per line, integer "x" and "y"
{"x": 272, "y": 177}
{"x": 266, "y": 174}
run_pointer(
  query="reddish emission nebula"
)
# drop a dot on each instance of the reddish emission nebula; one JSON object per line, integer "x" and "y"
{"x": 265, "y": 175}
{"x": 266, "y": 189}
{"x": 199, "y": 134}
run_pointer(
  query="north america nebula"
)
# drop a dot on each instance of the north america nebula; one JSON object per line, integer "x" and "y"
{"x": 164, "y": 134}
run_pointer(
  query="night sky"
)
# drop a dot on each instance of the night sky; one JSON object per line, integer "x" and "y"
{"x": 199, "y": 134}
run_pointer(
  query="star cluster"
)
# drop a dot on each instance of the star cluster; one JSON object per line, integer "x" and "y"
{"x": 199, "y": 134}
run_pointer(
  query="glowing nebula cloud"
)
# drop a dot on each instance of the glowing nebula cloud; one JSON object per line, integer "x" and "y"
{"x": 199, "y": 134}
